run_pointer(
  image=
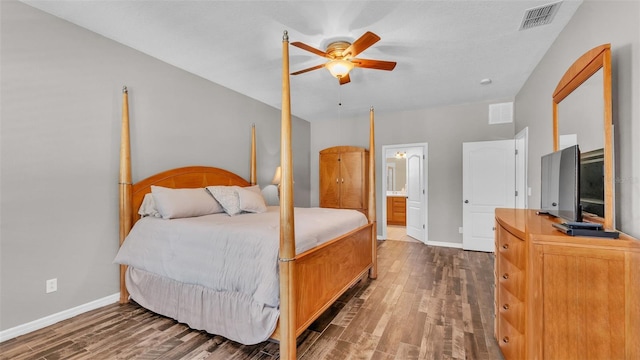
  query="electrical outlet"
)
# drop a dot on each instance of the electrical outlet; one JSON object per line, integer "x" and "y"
{"x": 460, "y": 230}
{"x": 52, "y": 285}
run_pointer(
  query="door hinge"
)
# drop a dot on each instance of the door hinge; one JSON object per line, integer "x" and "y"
{"x": 516, "y": 151}
{"x": 423, "y": 226}
{"x": 516, "y": 192}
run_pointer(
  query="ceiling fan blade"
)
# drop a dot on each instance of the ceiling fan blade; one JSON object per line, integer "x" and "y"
{"x": 308, "y": 69}
{"x": 344, "y": 79}
{"x": 374, "y": 64}
{"x": 361, "y": 44}
{"x": 304, "y": 46}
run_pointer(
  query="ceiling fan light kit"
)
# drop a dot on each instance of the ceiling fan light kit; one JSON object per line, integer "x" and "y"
{"x": 339, "y": 68}
{"x": 342, "y": 57}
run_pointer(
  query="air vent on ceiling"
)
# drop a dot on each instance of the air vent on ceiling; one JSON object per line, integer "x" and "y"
{"x": 538, "y": 16}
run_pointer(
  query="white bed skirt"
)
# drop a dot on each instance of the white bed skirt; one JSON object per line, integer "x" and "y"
{"x": 230, "y": 314}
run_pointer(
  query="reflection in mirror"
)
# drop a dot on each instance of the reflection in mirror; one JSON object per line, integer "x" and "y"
{"x": 580, "y": 116}
{"x": 391, "y": 176}
{"x": 592, "y": 182}
{"x": 396, "y": 174}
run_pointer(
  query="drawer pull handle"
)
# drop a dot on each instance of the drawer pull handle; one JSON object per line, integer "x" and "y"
{"x": 505, "y": 246}
{"x": 505, "y": 306}
{"x": 505, "y": 276}
{"x": 505, "y": 339}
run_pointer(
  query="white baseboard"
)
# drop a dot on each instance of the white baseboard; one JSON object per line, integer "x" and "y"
{"x": 57, "y": 317}
{"x": 445, "y": 244}
{"x": 435, "y": 243}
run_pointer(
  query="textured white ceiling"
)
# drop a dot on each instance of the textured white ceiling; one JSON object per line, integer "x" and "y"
{"x": 443, "y": 48}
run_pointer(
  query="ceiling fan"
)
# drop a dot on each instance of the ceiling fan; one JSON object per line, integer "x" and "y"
{"x": 342, "y": 57}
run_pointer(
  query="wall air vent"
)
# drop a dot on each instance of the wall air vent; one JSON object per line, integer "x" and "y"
{"x": 501, "y": 113}
{"x": 539, "y": 16}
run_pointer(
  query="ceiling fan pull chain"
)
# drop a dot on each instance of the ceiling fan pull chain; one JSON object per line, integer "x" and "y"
{"x": 340, "y": 106}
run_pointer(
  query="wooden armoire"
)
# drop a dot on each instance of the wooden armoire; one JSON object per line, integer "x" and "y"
{"x": 343, "y": 177}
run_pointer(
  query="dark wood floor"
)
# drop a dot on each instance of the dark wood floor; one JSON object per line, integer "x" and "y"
{"x": 427, "y": 303}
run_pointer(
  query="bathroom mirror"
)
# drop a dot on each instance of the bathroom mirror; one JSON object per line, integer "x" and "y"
{"x": 582, "y": 106}
{"x": 396, "y": 174}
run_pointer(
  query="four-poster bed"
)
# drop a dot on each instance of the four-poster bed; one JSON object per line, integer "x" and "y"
{"x": 309, "y": 281}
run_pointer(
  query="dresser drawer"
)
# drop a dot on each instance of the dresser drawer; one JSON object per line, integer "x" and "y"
{"x": 396, "y": 210}
{"x": 399, "y": 201}
{"x": 511, "y": 248}
{"x": 510, "y": 309}
{"x": 511, "y": 277}
{"x": 510, "y": 340}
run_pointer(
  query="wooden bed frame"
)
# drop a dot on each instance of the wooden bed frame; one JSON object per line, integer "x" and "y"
{"x": 309, "y": 282}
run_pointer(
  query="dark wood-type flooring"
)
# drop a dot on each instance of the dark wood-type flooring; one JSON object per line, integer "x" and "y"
{"x": 427, "y": 303}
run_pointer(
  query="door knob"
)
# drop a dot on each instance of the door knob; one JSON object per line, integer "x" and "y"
{"x": 466, "y": 201}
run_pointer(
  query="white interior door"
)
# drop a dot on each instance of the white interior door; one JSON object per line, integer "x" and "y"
{"x": 415, "y": 194}
{"x": 488, "y": 173}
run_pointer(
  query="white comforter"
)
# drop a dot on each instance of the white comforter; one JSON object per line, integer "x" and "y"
{"x": 233, "y": 255}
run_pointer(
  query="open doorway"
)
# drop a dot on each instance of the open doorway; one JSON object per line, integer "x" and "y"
{"x": 404, "y": 195}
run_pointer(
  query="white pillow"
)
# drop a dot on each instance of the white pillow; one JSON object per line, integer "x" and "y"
{"x": 227, "y": 196}
{"x": 181, "y": 203}
{"x": 251, "y": 199}
{"x": 148, "y": 207}
{"x": 254, "y": 188}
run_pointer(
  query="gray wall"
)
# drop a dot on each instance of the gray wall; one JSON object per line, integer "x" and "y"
{"x": 594, "y": 23}
{"x": 444, "y": 128}
{"x": 60, "y": 137}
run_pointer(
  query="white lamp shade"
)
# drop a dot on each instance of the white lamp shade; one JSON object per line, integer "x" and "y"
{"x": 339, "y": 68}
{"x": 277, "y": 176}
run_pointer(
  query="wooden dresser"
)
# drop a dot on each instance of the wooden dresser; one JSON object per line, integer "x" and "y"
{"x": 396, "y": 210}
{"x": 343, "y": 177}
{"x": 564, "y": 297}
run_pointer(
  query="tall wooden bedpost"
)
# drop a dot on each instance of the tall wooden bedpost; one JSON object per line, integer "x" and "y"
{"x": 373, "y": 272}
{"x": 253, "y": 177}
{"x": 287, "y": 253}
{"x": 126, "y": 216}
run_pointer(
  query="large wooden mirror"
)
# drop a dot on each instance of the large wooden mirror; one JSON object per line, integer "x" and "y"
{"x": 586, "y": 88}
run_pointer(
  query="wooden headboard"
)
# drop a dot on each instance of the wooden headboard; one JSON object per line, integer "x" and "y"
{"x": 184, "y": 177}
{"x": 131, "y": 195}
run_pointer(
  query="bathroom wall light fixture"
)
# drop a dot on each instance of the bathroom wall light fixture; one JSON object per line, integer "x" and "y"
{"x": 401, "y": 155}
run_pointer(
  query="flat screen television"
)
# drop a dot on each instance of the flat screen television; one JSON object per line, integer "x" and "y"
{"x": 560, "y": 184}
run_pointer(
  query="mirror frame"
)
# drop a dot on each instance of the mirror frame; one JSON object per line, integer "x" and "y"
{"x": 579, "y": 72}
